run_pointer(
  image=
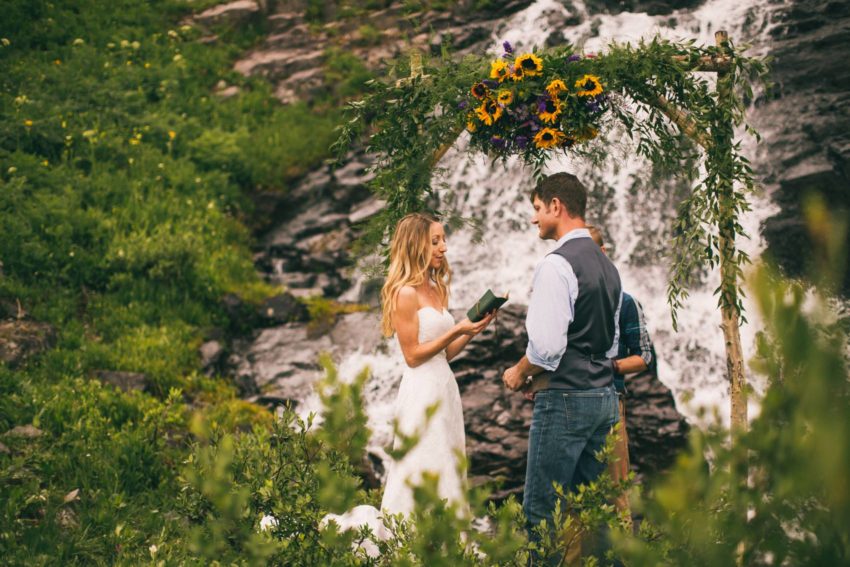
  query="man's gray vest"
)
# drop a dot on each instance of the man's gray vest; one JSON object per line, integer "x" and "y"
{"x": 585, "y": 364}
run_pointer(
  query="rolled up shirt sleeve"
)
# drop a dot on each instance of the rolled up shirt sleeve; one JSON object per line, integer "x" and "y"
{"x": 615, "y": 346}
{"x": 550, "y": 311}
{"x": 645, "y": 344}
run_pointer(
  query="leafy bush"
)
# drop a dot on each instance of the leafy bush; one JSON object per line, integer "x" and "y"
{"x": 124, "y": 182}
{"x": 777, "y": 495}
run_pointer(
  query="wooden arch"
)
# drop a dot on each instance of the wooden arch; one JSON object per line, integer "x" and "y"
{"x": 412, "y": 125}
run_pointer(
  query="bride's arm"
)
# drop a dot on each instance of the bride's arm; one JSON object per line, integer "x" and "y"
{"x": 406, "y": 322}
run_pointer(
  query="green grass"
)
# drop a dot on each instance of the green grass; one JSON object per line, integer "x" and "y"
{"x": 124, "y": 185}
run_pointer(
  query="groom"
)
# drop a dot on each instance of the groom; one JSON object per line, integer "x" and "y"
{"x": 572, "y": 337}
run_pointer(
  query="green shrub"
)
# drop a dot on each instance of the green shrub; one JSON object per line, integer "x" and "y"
{"x": 793, "y": 509}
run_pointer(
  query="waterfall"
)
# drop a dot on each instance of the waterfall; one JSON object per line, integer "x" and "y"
{"x": 634, "y": 218}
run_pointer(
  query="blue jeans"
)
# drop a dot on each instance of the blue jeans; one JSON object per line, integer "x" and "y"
{"x": 567, "y": 428}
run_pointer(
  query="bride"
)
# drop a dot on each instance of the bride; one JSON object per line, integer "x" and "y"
{"x": 415, "y": 307}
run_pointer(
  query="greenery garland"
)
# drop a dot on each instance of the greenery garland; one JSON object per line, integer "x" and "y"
{"x": 560, "y": 100}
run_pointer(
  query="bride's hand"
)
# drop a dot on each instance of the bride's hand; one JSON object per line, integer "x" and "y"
{"x": 467, "y": 327}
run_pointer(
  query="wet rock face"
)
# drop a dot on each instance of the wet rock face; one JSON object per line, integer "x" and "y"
{"x": 308, "y": 250}
{"x": 497, "y": 420}
{"x": 232, "y": 13}
{"x": 651, "y": 7}
{"x": 293, "y": 55}
{"x": 281, "y": 364}
{"x": 809, "y": 147}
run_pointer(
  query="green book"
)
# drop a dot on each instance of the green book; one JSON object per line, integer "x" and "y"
{"x": 488, "y": 302}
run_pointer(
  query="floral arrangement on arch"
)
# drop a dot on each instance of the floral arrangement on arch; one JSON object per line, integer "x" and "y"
{"x": 531, "y": 103}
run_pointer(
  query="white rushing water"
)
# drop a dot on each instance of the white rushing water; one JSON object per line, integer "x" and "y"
{"x": 635, "y": 220}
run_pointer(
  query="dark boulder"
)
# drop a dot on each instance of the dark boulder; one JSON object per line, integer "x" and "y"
{"x": 23, "y": 339}
{"x": 126, "y": 381}
{"x": 282, "y": 308}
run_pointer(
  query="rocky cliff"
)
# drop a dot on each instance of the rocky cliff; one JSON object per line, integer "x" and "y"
{"x": 808, "y": 148}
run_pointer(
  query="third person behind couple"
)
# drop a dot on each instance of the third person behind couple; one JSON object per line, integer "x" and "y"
{"x": 635, "y": 354}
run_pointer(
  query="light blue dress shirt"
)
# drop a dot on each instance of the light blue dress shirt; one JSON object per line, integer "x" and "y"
{"x": 550, "y": 310}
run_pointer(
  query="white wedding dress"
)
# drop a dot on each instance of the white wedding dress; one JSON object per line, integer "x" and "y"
{"x": 441, "y": 438}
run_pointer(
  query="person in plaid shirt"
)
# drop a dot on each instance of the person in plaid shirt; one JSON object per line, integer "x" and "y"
{"x": 635, "y": 354}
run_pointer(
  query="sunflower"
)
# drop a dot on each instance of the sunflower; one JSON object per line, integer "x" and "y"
{"x": 500, "y": 70}
{"x": 482, "y": 114}
{"x": 586, "y": 133}
{"x": 493, "y": 109}
{"x": 589, "y": 85}
{"x": 489, "y": 112}
{"x": 556, "y": 87}
{"x": 530, "y": 64}
{"x": 505, "y": 97}
{"x": 518, "y": 74}
{"x": 479, "y": 91}
{"x": 548, "y": 138}
{"x": 470, "y": 122}
{"x": 550, "y": 109}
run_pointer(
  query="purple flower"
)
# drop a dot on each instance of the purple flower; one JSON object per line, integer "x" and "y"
{"x": 573, "y": 57}
{"x": 593, "y": 106}
{"x": 498, "y": 142}
{"x": 490, "y": 83}
{"x": 508, "y": 47}
{"x": 462, "y": 104}
{"x": 521, "y": 142}
{"x": 541, "y": 105}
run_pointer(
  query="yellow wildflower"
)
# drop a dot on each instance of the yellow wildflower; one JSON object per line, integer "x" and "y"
{"x": 171, "y": 134}
{"x": 28, "y": 123}
{"x": 505, "y": 97}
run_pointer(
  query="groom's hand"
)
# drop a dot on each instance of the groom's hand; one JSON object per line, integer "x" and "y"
{"x": 512, "y": 379}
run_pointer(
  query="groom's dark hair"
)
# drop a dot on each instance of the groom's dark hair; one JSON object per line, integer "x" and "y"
{"x": 566, "y": 188}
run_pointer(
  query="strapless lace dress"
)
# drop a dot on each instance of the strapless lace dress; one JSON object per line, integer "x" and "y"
{"x": 441, "y": 438}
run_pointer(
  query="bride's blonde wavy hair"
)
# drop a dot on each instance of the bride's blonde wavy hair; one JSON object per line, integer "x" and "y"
{"x": 410, "y": 257}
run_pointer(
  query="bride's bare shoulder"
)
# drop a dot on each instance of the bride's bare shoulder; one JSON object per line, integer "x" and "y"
{"x": 407, "y": 299}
